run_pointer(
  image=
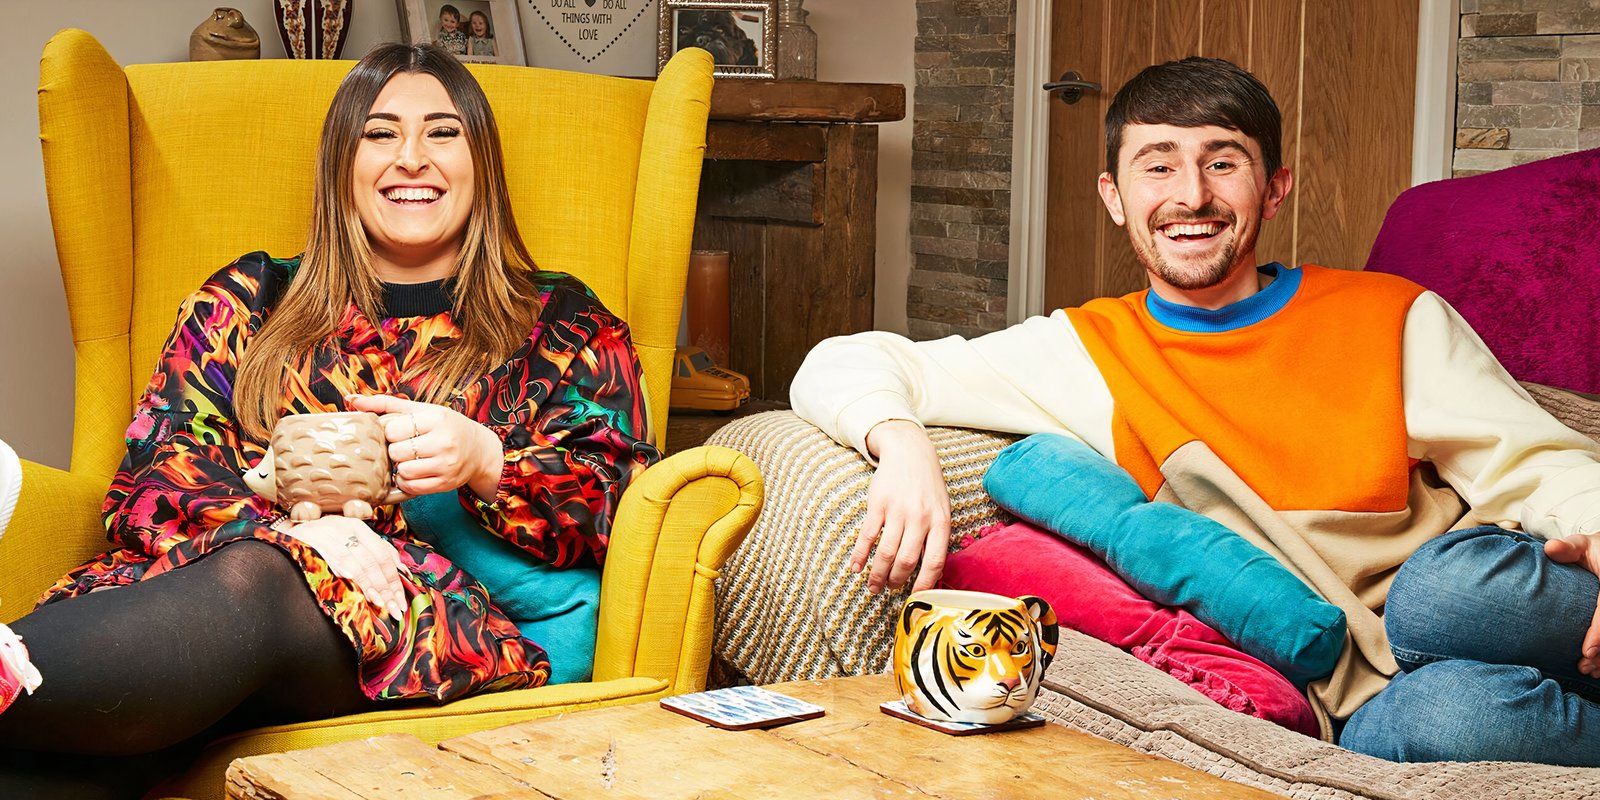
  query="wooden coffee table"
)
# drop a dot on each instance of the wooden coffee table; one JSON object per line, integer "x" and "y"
{"x": 644, "y": 751}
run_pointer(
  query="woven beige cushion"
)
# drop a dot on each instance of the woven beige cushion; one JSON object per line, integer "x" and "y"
{"x": 787, "y": 609}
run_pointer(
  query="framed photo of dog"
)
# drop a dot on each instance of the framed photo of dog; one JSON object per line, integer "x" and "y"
{"x": 741, "y": 35}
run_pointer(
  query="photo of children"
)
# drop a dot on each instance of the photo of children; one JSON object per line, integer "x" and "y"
{"x": 474, "y": 31}
{"x": 448, "y": 32}
{"x": 480, "y": 35}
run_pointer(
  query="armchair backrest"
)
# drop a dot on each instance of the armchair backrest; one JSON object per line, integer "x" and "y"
{"x": 159, "y": 174}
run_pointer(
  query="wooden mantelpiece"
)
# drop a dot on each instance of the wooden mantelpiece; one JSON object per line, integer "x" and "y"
{"x": 790, "y": 190}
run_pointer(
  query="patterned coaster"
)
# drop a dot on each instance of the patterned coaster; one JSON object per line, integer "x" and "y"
{"x": 897, "y": 709}
{"x": 740, "y": 708}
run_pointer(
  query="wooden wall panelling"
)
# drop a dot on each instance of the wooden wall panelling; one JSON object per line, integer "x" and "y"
{"x": 1275, "y": 44}
{"x": 1225, "y": 31}
{"x": 1355, "y": 137}
{"x": 1075, "y": 222}
{"x": 1120, "y": 271}
{"x": 1176, "y": 33}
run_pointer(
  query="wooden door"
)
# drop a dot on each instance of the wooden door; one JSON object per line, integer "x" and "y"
{"x": 1342, "y": 72}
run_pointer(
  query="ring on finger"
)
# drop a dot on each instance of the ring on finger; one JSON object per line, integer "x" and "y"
{"x": 352, "y": 541}
{"x": 413, "y": 443}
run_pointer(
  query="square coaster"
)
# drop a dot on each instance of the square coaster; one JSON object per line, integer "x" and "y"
{"x": 739, "y": 708}
{"x": 897, "y": 709}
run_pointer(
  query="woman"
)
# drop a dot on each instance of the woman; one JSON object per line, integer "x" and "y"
{"x": 414, "y": 299}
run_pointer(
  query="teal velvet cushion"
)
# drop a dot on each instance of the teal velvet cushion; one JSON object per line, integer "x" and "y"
{"x": 1171, "y": 555}
{"x": 557, "y": 608}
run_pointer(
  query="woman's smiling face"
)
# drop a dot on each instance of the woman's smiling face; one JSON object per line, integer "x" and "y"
{"x": 413, "y": 174}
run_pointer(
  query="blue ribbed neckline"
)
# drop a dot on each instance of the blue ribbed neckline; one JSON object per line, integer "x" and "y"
{"x": 1231, "y": 317}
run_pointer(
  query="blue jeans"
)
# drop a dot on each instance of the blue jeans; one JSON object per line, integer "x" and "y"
{"x": 1487, "y": 631}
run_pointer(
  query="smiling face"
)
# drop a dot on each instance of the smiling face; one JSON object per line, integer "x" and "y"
{"x": 1193, "y": 200}
{"x": 449, "y": 21}
{"x": 480, "y": 24}
{"x": 412, "y": 178}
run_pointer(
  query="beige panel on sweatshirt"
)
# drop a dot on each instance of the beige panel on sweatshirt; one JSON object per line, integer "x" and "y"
{"x": 1348, "y": 558}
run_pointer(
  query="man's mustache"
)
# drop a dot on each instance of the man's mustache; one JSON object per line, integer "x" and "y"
{"x": 1201, "y": 214}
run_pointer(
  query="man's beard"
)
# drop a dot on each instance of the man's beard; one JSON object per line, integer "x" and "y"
{"x": 1190, "y": 278}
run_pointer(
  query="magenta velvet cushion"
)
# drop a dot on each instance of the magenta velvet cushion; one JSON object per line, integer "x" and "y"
{"x": 1515, "y": 252}
{"x": 1019, "y": 558}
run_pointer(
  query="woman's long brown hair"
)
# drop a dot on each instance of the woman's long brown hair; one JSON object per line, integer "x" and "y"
{"x": 494, "y": 298}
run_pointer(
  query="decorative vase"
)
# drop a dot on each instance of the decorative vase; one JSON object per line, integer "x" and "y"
{"x": 313, "y": 28}
{"x": 797, "y": 42}
{"x": 709, "y": 312}
{"x": 224, "y": 36}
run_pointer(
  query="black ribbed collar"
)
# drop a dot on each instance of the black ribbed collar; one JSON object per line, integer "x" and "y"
{"x": 417, "y": 299}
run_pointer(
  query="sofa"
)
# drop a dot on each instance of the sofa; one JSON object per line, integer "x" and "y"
{"x": 159, "y": 174}
{"x": 788, "y": 608}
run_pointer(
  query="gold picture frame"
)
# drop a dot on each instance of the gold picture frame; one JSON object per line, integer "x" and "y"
{"x": 741, "y": 35}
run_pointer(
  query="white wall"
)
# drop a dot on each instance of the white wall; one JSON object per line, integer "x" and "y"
{"x": 875, "y": 42}
{"x": 858, "y": 42}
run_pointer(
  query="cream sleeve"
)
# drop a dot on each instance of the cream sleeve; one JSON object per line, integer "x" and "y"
{"x": 1032, "y": 377}
{"x": 1512, "y": 462}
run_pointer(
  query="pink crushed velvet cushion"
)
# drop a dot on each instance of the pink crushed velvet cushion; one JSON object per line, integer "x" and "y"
{"x": 1514, "y": 251}
{"x": 1018, "y": 558}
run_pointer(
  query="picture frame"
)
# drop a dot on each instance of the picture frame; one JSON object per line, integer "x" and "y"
{"x": 741, "y": 35}
{"x": 483, "y": 31}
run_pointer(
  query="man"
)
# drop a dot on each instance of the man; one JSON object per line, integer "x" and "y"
{"x": 1350, "y": 419}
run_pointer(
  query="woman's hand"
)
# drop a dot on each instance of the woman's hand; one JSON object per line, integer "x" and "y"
{"x": 1582, "y": 549}
{"x": 909, "y": 504}
{"x": 436, "y": 449}
{"x": 354, "y": 552}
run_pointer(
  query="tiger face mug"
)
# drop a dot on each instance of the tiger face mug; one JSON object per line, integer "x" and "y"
{"x": 964, "y": 656}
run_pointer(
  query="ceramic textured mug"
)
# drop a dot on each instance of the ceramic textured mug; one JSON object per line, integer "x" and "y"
{"x": 334, "y": 463}
{"x": 972, "y": 656}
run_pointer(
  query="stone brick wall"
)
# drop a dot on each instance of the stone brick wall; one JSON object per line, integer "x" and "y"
{"x": 961, "y": 167}
{"x": 1527, "y": 81}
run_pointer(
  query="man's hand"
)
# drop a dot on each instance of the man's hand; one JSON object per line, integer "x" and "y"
{"x": 434, "y": 448}
{"x": 909, "y": 504}
{"x": 1582, "y": 549}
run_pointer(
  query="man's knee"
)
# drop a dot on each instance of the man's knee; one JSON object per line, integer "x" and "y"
{"x": 1455, "y": 711}
{"x": 1445, "y": 579}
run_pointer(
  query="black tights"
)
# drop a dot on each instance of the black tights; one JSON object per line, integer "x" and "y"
{"x": 136, "y": 673}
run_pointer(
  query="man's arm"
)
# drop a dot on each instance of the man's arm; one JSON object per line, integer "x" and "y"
{"x": 874, "y": 391}
{"x": 1031, "y": 377}
{"x": 1508, "y": 458}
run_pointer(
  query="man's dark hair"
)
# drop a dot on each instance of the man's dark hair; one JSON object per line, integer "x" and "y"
{"x": 1194, "y": 93}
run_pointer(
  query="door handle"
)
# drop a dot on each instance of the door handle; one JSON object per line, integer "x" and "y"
{"x": 1071, "y": 87}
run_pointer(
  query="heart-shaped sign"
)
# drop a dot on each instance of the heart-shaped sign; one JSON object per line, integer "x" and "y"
{"x": 589, "y": 27}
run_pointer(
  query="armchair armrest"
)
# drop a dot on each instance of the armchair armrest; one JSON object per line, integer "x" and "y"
{"x": 56, "y": 527}
{"x": 678, "y": 523}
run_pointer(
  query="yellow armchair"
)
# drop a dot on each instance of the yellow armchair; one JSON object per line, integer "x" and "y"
{"x": 159, "y": 174}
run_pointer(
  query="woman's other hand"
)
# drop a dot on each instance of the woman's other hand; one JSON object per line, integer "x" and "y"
{"x": 354, "y": 552}
{"x": 434, "y": 448}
